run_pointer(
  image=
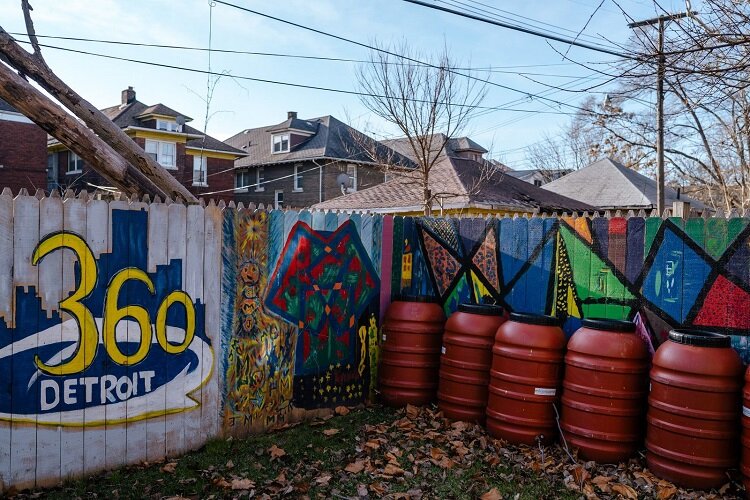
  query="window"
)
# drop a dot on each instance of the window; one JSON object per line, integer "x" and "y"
{"x": 278, "y": 199}
{"x": 260, "y": 177}
{"x": 297, "y": 178}
{"x": 351, "y": 171}
{"x": 241, "y": 181}
{"x": 163, "y": 152}
{"x": 199, "y": 171}
{"x": 168, "y": 125}
{"x": 75, "y": 163}
{"x": 281, "y": 143}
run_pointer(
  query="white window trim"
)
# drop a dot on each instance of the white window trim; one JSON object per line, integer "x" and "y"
{"x": 177, "y": 127}
{"x": 297, "y": 179}
{"x": 241, "y": 189}
{"x": 259, "y": 187}
{"x": 158, "y": 148}
{"x": 73, "y": 172}
{"x": 276, "y": 199}
{"x": 204, "y": 169}
{"x": 353, "y": 188}
{"x": 288, "y": 143}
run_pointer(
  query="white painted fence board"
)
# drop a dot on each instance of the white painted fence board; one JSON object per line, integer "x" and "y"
{"x": 212, "y": 272}
{"x": 97, "y": 237}
{"x": 25, "y": 238}
{"x": 193, "y": 285}
{"x": 136, "y": 431}
{"x": 51, "y": 271}
{"x": 158, "y": 230}
{"x": 71, "y": 443}
{"x": 176, "y": 249}
{"x": 7, "y": 300}
{"x": 116, "y": 434}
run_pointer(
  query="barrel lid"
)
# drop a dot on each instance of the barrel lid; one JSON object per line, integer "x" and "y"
{"x": 700, "y": 338}
{"x": 609, "y": 325}
{"x": 483, "y": 309}
{"x": 535, "y": 319}
{"x": 415, "y": 298}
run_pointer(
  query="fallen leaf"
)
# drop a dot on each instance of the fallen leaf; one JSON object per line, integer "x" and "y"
{"x": 493, "y": 494}
{"x": 665, "y": 492}
{"x": 342, "y": 410}
{"x": 580, "y": 474}
{"x": 437, "y": 453}
{"x": 331, "y": 432}
{"x": 355, "y": 467}
{"x": 602, "y": 482}
{"x": 230, "y": 464}
{"x": 625, "y": 490}
{"x": 412, "y": 411}
{"x": 323, "y": 480}
{"x": 393, "y": 470}
{"x": 446, "y": 463}
{"x": 362, "y": 490}
{"x": 378, "y": 488}
{"x": 242, "y": 484}
{"x": 169, "y": 468}
{"x": 372, "y": 445}
{"x": 276, "y": 452}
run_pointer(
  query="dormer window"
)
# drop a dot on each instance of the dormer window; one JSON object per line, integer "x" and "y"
{"x": 281, "y": 143}
{"x": 168, "y": 125}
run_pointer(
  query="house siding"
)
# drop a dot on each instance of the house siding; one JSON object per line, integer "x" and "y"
{"x": 23, "y": 156}
{"x": 281, "y": 177}
{"x": 220, "y": 174}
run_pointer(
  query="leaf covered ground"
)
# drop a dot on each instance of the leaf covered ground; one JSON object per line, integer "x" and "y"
{"x": 378, "y": 452}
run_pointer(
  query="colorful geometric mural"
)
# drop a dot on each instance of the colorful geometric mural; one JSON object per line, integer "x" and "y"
{"x": 661, "y": 273}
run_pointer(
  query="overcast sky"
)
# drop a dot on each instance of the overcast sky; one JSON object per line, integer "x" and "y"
{"x": 239, "y": 104}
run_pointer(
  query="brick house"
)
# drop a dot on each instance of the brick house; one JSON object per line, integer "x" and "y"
{"x": 298, "y": 162}
{"x": 200, "y": 162}
{"x": 23, "y": 151}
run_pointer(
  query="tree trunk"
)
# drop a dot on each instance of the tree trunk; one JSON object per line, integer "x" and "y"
{"x": 101, "y": 125}
{"x": 82, "y": 141}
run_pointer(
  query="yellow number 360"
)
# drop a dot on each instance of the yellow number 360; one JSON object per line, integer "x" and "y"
{"x": 89, "y": 334}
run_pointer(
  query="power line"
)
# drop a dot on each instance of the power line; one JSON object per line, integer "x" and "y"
{"x": 547, "y": 36}
{"x": 482, "y": 11}
{"x": 495, "y": 69}
{"x": 277, "y": 82}
{"x": 400, "y": 56}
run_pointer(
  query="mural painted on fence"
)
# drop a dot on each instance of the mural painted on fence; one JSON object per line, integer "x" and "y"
{"x": 659, "y": 273}
{"x": 302, "y": 331}
{"x": 103, "y": 338}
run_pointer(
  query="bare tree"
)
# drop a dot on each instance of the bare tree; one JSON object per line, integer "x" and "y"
{"x": 707, "y": 107}
{"x": 426, "y": 98}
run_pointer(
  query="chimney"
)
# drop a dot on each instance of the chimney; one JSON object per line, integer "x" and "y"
{"x": 291, "y": 115}
{"x": 128, "y": 96}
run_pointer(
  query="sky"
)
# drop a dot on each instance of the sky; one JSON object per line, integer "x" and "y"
{"x": 521, "y": 64}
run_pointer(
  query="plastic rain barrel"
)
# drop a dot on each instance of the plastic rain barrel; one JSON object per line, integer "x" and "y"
{"x": 604, "y": 390}
{"x": 466, "y": 360}
{"x": 527, "y": 366}
{"x": 692, "y": 432}
{"x": 410, "y": 353}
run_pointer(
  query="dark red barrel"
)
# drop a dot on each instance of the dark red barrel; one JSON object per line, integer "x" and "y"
{"x": 527, "y": 366}
{"x": 692, "y": 431}
{"x": 410, "y": 354}
{"x": 604, "y": 390}
{"x": 466, "y": 360}
{"x": 745, "y": 462}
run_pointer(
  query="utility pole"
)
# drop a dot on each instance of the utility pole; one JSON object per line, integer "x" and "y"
{"x": 660, "y": 21}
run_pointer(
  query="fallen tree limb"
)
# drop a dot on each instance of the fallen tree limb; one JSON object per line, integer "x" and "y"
{"x": 33, "y": 66}
{"x": 69, "y": 131}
